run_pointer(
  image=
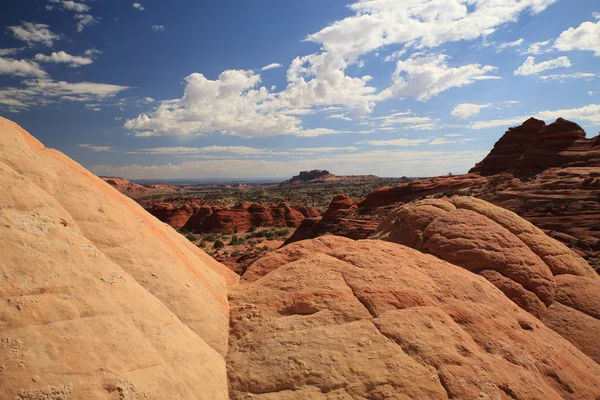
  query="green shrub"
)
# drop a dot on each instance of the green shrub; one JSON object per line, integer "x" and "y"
{"x": 218, "y": 244}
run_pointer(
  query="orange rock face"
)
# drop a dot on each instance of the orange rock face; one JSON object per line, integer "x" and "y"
{"x": 538, "y": 273}
{"x": 332, "y": 318}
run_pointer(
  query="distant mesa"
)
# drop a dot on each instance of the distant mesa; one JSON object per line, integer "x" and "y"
{"x": 324, "y": 176}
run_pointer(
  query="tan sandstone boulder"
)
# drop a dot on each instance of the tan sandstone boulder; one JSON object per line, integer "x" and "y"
{"x": 98, "y": 299}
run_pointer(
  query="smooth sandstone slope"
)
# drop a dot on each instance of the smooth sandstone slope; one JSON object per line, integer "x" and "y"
{"x": 98, "y": 299}
{"x": 333, "y": 318}
{"x": 538, "y": 273}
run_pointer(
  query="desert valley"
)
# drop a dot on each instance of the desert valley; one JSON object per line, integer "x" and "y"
{"x": 473, "y": 286}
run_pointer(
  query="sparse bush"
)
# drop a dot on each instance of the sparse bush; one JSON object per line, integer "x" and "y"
{"x": 218, "y": 244}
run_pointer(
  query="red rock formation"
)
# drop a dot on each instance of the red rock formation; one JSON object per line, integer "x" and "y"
{"x": 339, "y": 219}
{"x": 239, "y": 218}
{"x": 176, "y": 216}
{"x": 548, "y": 174}
{"x": 323, "y": 176}
{"x": 538, "y": 273}
{"x": 332, "y": 318}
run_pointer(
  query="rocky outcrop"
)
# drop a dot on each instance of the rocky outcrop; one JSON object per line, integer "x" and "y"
{"x": 324, "y": 176}
{"x": 124, "y": 185}
{"x": 538, "y": 273}
{"x": 98, "y": 299}
{"x": 175, "y": 216}
{"x": 239, "y": 218}
{"x": 332, "y": 318}
{"x": 339, "y": 219}
{"x": 133, "y": 189}
{"x": 548, "y": 174}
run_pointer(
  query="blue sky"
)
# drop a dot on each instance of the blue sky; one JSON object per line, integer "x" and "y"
{"x": 239, "y": 89}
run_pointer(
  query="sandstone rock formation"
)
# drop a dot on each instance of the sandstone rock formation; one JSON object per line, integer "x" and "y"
{"x": 98, "y": 299}
{"x": 538, "y": 273}
{"x": 133, "y": 189}
{"x": 548, "y": 174}
{"x": 239, "y": 218}
{"x": 324, "y": 176}
{"x": 339, "y": 219}
{"x": 332, "y": 318}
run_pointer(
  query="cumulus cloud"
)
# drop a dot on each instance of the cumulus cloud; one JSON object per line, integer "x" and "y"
{"x": 8, "y": 66}
{"x": 271, "y": 66}
{"x": 231, "y": 104}
{"x": 529, "y": 67}
{"x": 428, "y": 76}
{"x": 62, "y": 57}
{"x": 585, "y": 37}
{"x": 158, "y": 28}
{"x": 320, "y": 80}
{"x": 34, "y": 34}
{"x": 467, "y": 110}
{"x": 138, "y": 6}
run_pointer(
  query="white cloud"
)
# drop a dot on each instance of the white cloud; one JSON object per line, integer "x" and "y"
{"x": 585, "y": 37}
{"x": 428, "y": 76}
{"x": 402, "y": 142}
{"x": 596, "y": 15}
{"x": 95, "y": 148}
{"x": 529, "y": 67}
{"x": 503, "y": 46}
{"x": 241, "y": 151}
{"x": 379, "y": 23}
{"x": 467, "y": 110}
{"x": 8, "y": 66}
{"x": 138, "y": 6}
{"x": 9, "y": 52}
{"x": 41, "y": 92}
{"x": 34, "y": 33}
{"x": 539, "y": 48}
{"x": 566, "y": 77}
{"x": 589, "y": 113}
{"x": 319, "y": 80}
{"x": 76, "y": 7}
{"x": 65, "y": 58}
{"x": 84, "y": 20}
{"x": 231, "y": 104}
{"x": 271, "y": 66}
{"x": 158, "y": 28}
{"x": 395, "y": 56}
{"x": 343, "y": 117}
